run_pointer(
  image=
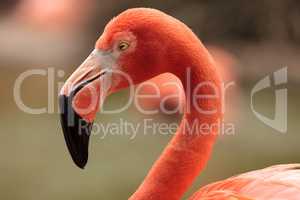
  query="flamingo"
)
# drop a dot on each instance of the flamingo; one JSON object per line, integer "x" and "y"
{"x": 144, "y": 43}
{"x": 167, "y": 89}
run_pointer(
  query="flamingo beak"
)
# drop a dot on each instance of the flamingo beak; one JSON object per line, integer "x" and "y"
{"x": 80, "y": 97}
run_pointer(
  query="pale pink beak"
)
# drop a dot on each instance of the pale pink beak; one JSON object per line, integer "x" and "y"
{"x": 80, "y": 99}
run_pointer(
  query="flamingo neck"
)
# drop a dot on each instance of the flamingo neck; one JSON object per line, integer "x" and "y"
{"x": 189, "y": 150}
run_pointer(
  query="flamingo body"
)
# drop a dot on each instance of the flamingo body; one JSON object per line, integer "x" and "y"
{"x": 273, "y": 183}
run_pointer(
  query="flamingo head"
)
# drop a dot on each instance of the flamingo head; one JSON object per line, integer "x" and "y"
{"x": 131, "y": 49}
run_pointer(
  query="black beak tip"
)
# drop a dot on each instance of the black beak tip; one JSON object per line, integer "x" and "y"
{"x": 81, "y": 164}
{"x": 76, "y": 132}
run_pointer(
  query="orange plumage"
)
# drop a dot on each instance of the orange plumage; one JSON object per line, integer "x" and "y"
{"x": 157, "y": 43}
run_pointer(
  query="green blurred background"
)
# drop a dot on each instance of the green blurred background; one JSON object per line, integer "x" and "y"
{"x": 261, "y": 37}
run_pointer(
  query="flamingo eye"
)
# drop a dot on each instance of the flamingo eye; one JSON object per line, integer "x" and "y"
{"x": 123, "y": 46}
